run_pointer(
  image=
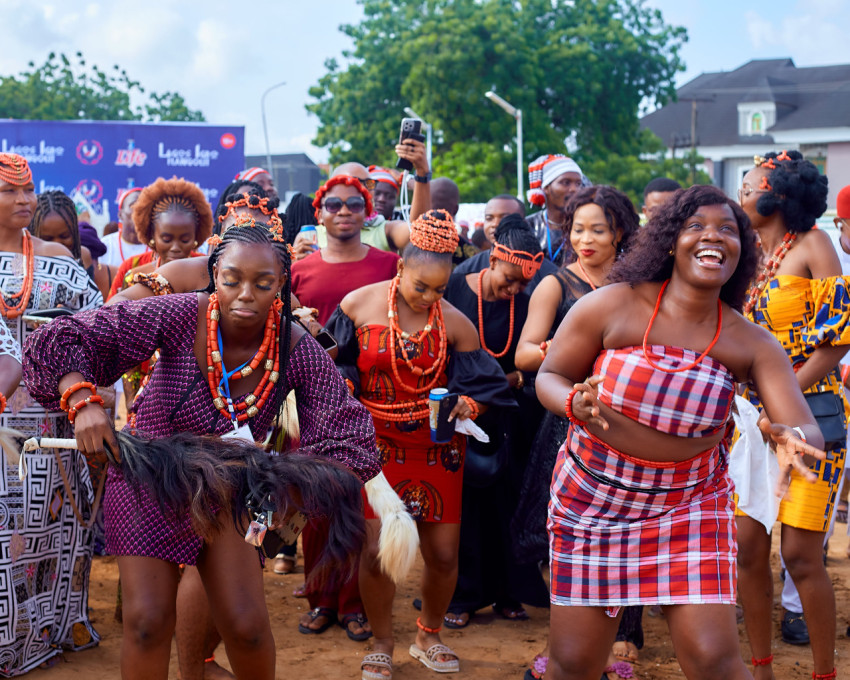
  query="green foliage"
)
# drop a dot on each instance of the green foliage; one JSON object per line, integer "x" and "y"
{"x": 480, "y": 170}
{"x": 581, "y": 68}
{"x": 630, "y": 173}
{"x": 61, "y": 89}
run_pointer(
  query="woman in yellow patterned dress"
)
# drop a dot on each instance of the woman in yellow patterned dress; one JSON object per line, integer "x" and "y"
{"x": 800, "y": 297}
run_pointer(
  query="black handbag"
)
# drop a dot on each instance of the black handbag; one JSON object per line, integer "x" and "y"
{"x": 828, "y": 410}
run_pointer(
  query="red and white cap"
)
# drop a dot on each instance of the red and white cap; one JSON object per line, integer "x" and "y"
{"x": 379, "y": 174}
{"x": 249, "y": 174}
{"x": 545, "y": 170}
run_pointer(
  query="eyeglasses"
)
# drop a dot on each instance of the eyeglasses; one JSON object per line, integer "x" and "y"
{"x": 746, "y": 191}
{"x": 355, "y": 204}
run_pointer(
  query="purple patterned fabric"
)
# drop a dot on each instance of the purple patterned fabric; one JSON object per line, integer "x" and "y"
{"x": 103, "y": 344}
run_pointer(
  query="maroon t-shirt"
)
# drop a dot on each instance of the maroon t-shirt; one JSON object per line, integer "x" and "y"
{"x": 319, "y": 284}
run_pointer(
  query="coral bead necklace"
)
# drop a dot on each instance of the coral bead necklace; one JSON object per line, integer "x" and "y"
{"x": 14, "y": 311}
{"x": 267, "y": 354}
{"x": 769, "y": 271}
{"x": 481, "y": 320}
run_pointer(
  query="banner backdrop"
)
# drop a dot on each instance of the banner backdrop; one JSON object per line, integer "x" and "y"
{"x": 96, "y": 160}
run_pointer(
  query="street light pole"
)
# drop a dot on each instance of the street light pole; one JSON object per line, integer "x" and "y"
{"x": 517, "y": 115}
{"x": 428, "y": 130}
{"x": 266, "y": 129}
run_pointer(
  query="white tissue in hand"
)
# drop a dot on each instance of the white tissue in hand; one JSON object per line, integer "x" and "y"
{"x": 754, "y": 468}
{"x": 466, "y": 426}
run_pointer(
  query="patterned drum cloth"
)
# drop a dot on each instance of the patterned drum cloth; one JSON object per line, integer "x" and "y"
{"x": 625, "y": 531}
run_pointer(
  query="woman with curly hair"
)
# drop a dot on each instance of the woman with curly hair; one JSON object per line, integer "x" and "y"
{"x": 600, "y": 224}
{"x": 801, "y": 298}
{"x": 641, "y": 503}
{"x": 172, "y": 217}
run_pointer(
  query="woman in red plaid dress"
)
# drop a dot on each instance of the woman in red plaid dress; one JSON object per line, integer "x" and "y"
{"x": 641, "y": 509}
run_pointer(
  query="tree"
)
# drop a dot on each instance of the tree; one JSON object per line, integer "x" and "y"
{"x": 579, "y": 68}
{"x": 630, "y": 173}
{"x": 61, "y": 89}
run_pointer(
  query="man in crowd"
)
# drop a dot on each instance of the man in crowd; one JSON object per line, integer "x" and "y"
{"x": 552, "y": 180}
{"x": 657, "y": 193}
{"x": 123, "y": 243}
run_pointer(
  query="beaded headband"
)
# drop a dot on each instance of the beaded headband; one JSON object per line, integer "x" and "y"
{"x": 347, "y": 180}
{"x": 435, "y": 232}
{"x": 14, "y": 169}
{"x": 530, "y": 263}
{"x": 252, "y": 202}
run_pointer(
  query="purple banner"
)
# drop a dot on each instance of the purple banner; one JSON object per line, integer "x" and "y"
{"x": 96, "y": 161}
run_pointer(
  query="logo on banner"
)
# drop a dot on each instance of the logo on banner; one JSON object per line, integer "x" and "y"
{"x": 42, "y": 153}
{"x": 91, "y": 189}
{"x": 131, "y": 156}
{"x": 197, "y": 157}
{"x": 89, "y": 152}
{"x": 228, "y": 140}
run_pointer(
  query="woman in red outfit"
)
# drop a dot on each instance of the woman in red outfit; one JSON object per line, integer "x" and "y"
{"x": 398, "y": 340}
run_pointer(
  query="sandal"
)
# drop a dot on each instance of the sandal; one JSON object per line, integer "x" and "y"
{"x": 538, "y": 668}
{"x": 512, "y": 613}
{"x": 314, "y": 614}
{"x": 429, "y": 658}
{"x": 621, "y": 669}
{"x": 380, "y": 660}
{"x": 456, "y": 621}
{"x": 629, "y": 656}
{"x": 300, "y": 591}
{"x": 284, "y": 564}
{"x": 360, "y": 619}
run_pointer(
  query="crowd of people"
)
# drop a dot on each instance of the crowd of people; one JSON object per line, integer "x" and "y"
{"x": 599, "y": 351}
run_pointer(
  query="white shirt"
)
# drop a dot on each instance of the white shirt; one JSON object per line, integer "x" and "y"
{"x": 114, "y": 250}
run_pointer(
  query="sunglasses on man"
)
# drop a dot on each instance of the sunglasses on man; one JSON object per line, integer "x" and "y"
{"x": 355, "y": 204}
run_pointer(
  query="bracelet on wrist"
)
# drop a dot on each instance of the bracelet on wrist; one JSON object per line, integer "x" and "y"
{"x": 76, "y": 387}
{"x": 801, "y": 434}
{"x": 568, "y": 408}
{"x": 472, "y": 406}
{"x": 93, "y": 399}
{"x": 520, "y": 379}
{"x": 544, "y": 348}
{"x": 2, "y": 402}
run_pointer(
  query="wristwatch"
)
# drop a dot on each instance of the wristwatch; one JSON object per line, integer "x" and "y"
{"x": 423, "y": 179}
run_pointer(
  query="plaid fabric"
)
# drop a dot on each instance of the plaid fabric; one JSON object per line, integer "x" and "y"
{"x": 692, "y": 403}
{"x": 648, "y": 534}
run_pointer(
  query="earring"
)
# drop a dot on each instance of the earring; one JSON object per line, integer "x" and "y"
{"x": 196, "y": 244}
{"x": 672, "y": 252}
{"x": 151, "y": 243}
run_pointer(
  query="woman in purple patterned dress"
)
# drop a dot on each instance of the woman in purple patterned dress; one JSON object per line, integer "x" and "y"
{"x": 248, "y": 270}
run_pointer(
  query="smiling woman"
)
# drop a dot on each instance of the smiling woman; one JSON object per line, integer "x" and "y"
{"x": 644, "y": 467}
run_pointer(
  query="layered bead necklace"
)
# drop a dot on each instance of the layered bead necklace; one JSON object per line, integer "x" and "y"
{"x": 769, "y": 271}
{"x": 481, "y": 320}
{"x": 416, "y": 408}
{"x": 14, "y": 311}
{"x": 217, "y": 374}
{"x": 587, "y": 278}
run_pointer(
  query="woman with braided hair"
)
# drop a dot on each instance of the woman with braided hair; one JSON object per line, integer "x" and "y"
{"x": 35, "y": 276}
{"x": 492, "y": 300}
{"x": 55, "y": 219}
{"x": 172, "y": 217}
{"x": 398, "y": 340}
{"x": 229, "y": 331}
{"x": 801, "y": 297}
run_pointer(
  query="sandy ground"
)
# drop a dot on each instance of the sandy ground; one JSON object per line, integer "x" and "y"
{"x": 489, "y": 647}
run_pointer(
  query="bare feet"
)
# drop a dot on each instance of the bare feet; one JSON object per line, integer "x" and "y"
{"x": 212, "y": 671}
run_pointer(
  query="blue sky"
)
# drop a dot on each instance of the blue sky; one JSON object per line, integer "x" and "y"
{"x": 222, "y": 61}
